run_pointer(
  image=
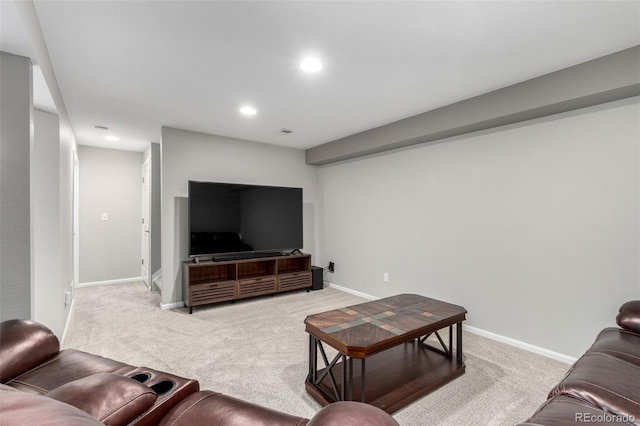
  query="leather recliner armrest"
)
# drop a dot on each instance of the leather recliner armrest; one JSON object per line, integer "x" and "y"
{"x": 113, "y": 399}
{"x": 349, "y": 413}
{"x": 212, "y": 408}
{"x": 629, "y": 316}
{"x": 24, "y": 345}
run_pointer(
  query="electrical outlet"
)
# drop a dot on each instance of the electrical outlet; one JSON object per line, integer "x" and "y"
{"x": 332, "y": 267}
{"x": 385, "y": 277}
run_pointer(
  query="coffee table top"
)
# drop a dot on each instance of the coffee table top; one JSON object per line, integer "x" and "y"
{"x": 362, "y": 330}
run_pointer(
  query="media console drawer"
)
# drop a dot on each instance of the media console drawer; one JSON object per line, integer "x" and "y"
{"x": 294, "y": 281}
{"x": 212, "y": 292}
{"x": 256, "y": 286}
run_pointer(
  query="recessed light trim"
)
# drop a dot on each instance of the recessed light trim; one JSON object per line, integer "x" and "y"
{"x": 248, "y": 110}
{"x": 311, "y": 64}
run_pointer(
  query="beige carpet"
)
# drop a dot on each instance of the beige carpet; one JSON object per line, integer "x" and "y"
{"x": 257, "y": 350}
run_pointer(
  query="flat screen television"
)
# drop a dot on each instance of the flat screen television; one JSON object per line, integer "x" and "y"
{"x": 228, "y": 220}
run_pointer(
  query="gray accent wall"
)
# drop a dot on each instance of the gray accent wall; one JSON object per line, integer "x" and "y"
{"x": 196, "y": 156}
{"x": 533, "y": 227}
{"x": 16, "y": 139}
{"x": 110, "y": 183}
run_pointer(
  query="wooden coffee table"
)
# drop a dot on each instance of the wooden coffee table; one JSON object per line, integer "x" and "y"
{"x": 387, "y": 340}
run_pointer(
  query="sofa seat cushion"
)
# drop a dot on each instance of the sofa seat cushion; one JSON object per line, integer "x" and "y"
{"x": 604, "y": 381}
{"x": 25, "y": 344}
{"x": 564, "y": 410}
{"x": 212, "y": 408}
{"x": 19, "y": 409}
{"x": 65, "y": 367}
{"x": 113, "y": 399}
{"x": 623, "y": 344}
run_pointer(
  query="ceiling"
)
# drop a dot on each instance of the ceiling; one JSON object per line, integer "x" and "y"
{"x": 135, "y": 66}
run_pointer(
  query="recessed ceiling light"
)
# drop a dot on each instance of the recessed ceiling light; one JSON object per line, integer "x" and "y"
{"x": 112, "y": 138}
{"x": 248, "y": 110}
{"x": 101, "y": 127}
{"x": 311, "y": 65}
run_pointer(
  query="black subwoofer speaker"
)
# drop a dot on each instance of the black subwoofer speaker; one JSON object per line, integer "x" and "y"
{"x": 317, "y": 282}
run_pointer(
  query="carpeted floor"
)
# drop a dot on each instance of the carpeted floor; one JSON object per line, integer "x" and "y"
{"x": 257, "y": 350}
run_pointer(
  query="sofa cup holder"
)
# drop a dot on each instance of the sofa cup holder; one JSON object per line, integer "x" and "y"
{"x": 162, "y": 387}
{"x": 141, "y": 377}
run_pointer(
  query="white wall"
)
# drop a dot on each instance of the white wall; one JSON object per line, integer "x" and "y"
{"x": 110, "y": 182}
{"x": 152, "y": 154}
{"x": 196, "y": 156}
{"x": 66, "y": 157}
{"x": 534, "y": 228}
{"x": 48, "y": 299}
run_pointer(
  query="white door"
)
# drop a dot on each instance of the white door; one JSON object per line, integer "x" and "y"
{"x": 145, "y": 224}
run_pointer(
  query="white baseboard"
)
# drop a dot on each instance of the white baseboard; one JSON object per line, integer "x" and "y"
{"x": 66, "y": 324}
{"x": 109, "y": 282}
{"x": 172, "y": 305}
{"x": 354, "y": 292}
{"x": 522, "y": 345}
{"x": 156, "y": 281}
{"x": 488, "y": 334}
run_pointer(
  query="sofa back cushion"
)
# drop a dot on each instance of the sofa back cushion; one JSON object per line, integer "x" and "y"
{"x": 24, "y": 345}
{"x": 629, "y": 316}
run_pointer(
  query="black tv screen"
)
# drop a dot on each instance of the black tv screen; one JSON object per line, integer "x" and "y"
{"x": 228, "y": 218}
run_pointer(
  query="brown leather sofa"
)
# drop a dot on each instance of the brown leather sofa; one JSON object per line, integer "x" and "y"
{"x": 42, "y": 385}
{"x": 603, "y": 386}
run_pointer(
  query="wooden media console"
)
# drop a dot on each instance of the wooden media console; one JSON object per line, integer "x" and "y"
{"x": 220, "y": 281}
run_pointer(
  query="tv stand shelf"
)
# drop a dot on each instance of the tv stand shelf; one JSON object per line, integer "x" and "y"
{"x": 221, "y": 281}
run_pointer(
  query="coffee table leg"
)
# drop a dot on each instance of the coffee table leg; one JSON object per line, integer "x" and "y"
{"x": 313, "y": 358}
{"x": 315, "y": 378}
{"x": 350, "y": 379}
{"x": 459, "y": 343}
{"x": 363, "y": 396}
{"x": 343, "y": 390}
